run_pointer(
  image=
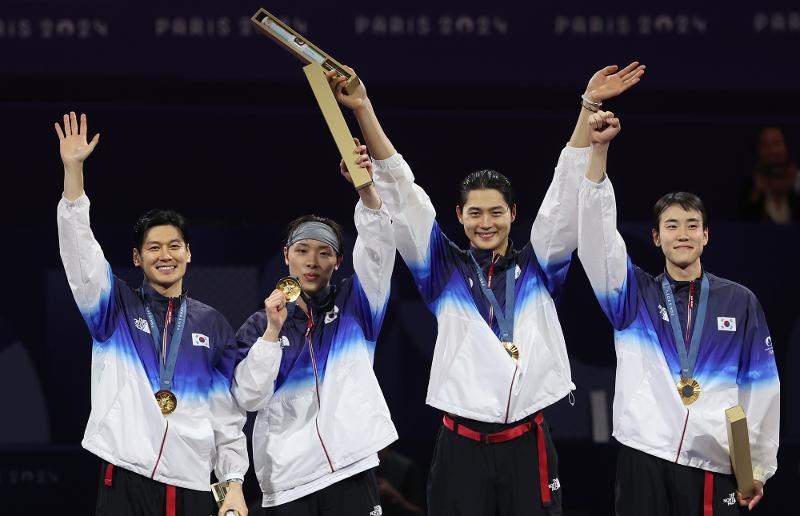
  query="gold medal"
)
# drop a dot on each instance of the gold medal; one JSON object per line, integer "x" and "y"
{"x": 290, "y": 286}
{"x": 689, "y": 390}
{"x": 167, "y": 401}
{"x": 511, "y": 349}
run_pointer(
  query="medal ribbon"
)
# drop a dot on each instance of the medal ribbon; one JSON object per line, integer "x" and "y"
{"x": 505, "y": 321}
{"x": 166, "y": 368}
{"x": 687, "y": 358}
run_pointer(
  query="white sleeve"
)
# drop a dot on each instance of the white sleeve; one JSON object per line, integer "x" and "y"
{"x": 83, "y": 259}
{"x": 408, "y": 205}
{"x": 554, "y": 234}
{"x": 373, "y": 254}
{"x": 88, "y": 273}
{"x": 254, "y": 377}
{"x": 603, "y": 255}
{"x": 759, "y": 392}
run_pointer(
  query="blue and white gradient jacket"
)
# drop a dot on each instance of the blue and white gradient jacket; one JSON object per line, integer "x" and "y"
{"x": 306, "y": 439}
{"x": 126, "y": 427}
{"x": 735, "y": 364}
{"x": 472, "y": 375}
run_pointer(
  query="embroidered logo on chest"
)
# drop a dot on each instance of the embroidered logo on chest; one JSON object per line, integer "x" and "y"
{"x": 198, "y": 339}
{"x": 141, "y": 324}
{"x": 769, "y": 349}
{"x": 663, "y": 312}
{"x": 284, "y": 341}
{"x": 332, "y": 315}
{"x": 726, "y": 323}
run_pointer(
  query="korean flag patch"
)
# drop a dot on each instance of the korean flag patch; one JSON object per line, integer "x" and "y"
{"x": 726, "y": 323}
{"x": 198, "y": 339}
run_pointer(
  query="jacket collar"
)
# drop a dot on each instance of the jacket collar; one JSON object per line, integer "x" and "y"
{"x": 484, "y": 257}
{"x": 154, "y": 298}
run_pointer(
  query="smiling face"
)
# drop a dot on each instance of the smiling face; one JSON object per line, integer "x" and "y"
{"x": 682, "y": 237}
{"x": 487, "y": 219}
{"x": 313, "y": 262}
{"x": 163, "y": 257}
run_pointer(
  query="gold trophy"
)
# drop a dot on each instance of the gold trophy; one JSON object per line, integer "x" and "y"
{"x": 318, "y": 63}
{"x": 739, "y": 445}
{"x": 300, "y": 47}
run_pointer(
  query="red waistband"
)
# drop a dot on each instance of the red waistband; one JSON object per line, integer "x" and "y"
{"x": 492, "y": 438}
{"x": 507, "y": 435}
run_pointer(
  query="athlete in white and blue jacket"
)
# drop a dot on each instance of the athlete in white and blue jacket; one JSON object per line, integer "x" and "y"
{"x": 322, "y": 417}
{"x": 675, "y": 455}
{"x": 494, "y": 454}
{"x": 164, "y": 454}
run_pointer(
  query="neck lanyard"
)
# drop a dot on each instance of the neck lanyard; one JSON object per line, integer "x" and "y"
{"x": 166, "y": 365}
{"x": 504, "y": 320}
{"x": 688, "y": 357}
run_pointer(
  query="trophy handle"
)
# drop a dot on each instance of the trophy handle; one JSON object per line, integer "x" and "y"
{"x": 336, "y": 123}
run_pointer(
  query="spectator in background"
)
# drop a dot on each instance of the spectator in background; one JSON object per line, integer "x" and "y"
{"x": 773, "y": 195}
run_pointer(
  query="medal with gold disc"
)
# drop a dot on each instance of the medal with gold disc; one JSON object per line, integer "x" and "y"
{"x": 688, "y": 387}
{"x": 167, "y": 401}
{"x": 511, "y": 349}
{"x": 505, "y": 318}
{"x": 290, "y": 286}
{"x": 166, "y": 351}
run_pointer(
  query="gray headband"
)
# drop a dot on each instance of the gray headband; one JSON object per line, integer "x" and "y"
{"x": 314, "y": 230}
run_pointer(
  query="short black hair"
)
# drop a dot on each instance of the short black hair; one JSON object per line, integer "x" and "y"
{"x": 686, "y": 200}
{"x": 486, "y": 179}
{"x": 337, "y": 229}
{"x": 159, "y": 217}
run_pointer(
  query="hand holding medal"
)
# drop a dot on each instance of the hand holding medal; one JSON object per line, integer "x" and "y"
{"x": 286, "y": 291}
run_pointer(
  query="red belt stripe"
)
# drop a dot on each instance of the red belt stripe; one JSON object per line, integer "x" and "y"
{"x": 108, "y": 480}
{"x": 507, "y": 435}
{"x": 171, "y": 495}
{"x": 708, "y": 494}
{"x": 544, "y": 476}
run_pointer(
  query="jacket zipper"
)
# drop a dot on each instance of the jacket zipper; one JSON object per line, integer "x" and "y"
{"x": 309, "y": 340}
{"x": 160, "y": 451}
{"x": 680, "y": 445}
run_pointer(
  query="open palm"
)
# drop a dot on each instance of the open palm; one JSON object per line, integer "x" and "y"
{"x": 72, "y": 139}
{"x": 609, "y": 82}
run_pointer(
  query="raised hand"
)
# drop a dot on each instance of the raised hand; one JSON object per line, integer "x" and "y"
{"x": 275, "y": 307}
{"x": 72, "y": 140}
{"x": 604, "y": 126}
{"x": 610, "y": 81}
{"x": 354, "y": 100}
{"x": 362, "y": 160}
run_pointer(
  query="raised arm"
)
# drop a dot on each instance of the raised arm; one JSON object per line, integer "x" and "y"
{"x": 554, "y": 234}
{"x": 88, "y": 273}
{"x": 254, "y": 377}
{"x": 600, "y": 247}
{"x": 606, "y": 83}
{"x": 358, "y": 102}
{"x": 412, "y": 214}
{"x": 374, "y": 251}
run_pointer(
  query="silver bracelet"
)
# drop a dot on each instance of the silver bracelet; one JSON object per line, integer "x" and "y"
{"x": 586, "y": 99}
